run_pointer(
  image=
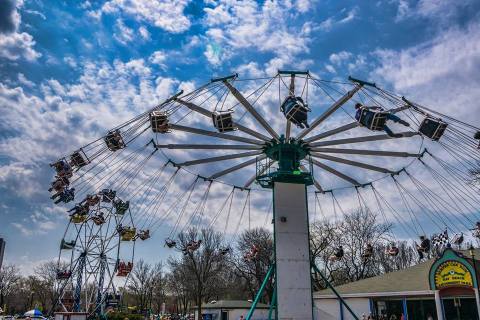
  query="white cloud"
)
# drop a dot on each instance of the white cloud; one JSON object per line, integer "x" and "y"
{"x": 165, "y": 14}
{"x": 249, "y": 25}
{"x": 438, "y": 10}
{"x": 144, "y": 33}
{"x": 18, "y": 45}
{"x": 158, "y": 57}
{"x": 23, "y": 80}
{"x": 442, "y": 72}
{"x": 123, "y": 34}
{"x": 338, "y": 58}
{"x": 13, "y": 44}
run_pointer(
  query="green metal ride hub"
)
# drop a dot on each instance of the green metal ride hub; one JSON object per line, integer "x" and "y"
{"x": 288, "y": 154}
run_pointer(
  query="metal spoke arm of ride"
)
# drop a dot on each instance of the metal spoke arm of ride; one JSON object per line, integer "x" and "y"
{"x": 335, "y": 172}
{"x": 315, "y": 182}
{"x": 235, "y": 168}
{"x": 209, "y": 114}
{"x": 215, "y": 134}
{"x": 208, "y": 146}
{"x": 219, "y": 158}
{"x": 377, "y": 137}
{"x": 352, "y": 163}
{"x": 330, "y": 111}
{"x": 251, "y": 109}
{"x": 367, "y": 152}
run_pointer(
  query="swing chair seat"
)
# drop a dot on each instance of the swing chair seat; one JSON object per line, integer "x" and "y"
{"x": 78, "y": 218}
{"x": 63, "y": 275}
{"x": 159, "y": 121}
{"x": 79, "y": 159}
{"x": 170, "y": 243}
{"x": 296, "y": 111}
{"x": 114, "y": 140}
{"x": 128, "y": 234}
{"x": 432, "y": 128}
{"x": 144, "y": 234}
{"x": 65, "y": 245}
{"x": 98, "y": 220}
{"x": 121, "y": 207}
{"x": 393, "y": 251}
{"x": 373, "y": 120}
{"x": 223, "y": 121}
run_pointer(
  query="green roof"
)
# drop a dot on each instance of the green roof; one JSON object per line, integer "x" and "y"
{"x": 232, "y": 304}
{"x": 411, "y": 279}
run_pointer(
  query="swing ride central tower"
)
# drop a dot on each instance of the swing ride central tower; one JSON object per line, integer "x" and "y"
{"x": 290, "y": 217}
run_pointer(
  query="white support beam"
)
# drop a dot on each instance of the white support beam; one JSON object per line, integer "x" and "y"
{"x": 208, "y": 146}
{"x": 332, "y": 132}
{"x": 377, "y": 137}
{"x": 367, "y": 152}
{"x": 352, "y": 163}
{"x": 329, "y": 111}
{"x": 335, "y": 172}
{"x": 251, "y": 109}
{"x": 251, "y": 132}
{"x": 195, "y": 108}
{"x": 209, "y": 114}
{"x": 235, "y": 168}
{"x": 214, "y": 134}
{"x": 219, "y": 158}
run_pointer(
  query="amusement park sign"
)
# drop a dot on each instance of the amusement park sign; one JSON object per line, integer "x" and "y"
{"x": 452, "y": 273}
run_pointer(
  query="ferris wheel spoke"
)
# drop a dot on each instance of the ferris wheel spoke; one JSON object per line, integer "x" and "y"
{"x": 219, "y": 158}
{"x": 262, "y": 171}
{"x": 208, "y": 146}
{"x": 330, "y": 111}
{"x": 332, "y": 132}
{"x": 215, "y": 134}
{"x": 352, "y": 163}
{"x": 237, "y": 167}
{"x": 251, "y": 109}
{"x": 335, "y": 172}
{"x": 367, "y": 152}
{"x": 377, "y": 137}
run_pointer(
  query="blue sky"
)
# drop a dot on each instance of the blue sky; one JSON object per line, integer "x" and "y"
{"x": 70, "y": 70}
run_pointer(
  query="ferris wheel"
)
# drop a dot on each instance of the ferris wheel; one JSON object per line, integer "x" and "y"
{"x": 312, "y": 141}
{"x": 96, "y": 254}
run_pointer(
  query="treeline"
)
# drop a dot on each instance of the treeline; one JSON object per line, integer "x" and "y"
{"x": 216, "y": 269}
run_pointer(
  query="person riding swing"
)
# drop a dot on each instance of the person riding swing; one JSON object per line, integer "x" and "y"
{"x": 375, "y": 118}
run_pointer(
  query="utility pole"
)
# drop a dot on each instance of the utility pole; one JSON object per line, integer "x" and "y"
{"x": 2, "y": 250}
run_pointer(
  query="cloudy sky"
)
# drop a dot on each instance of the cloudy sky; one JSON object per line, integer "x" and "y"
{"x": 70, "y": 70}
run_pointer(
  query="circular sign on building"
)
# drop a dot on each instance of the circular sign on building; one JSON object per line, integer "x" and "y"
{"x": 452, "y": 273}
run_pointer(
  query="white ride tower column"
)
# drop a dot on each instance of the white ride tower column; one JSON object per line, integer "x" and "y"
{"x": 292, "y": 253}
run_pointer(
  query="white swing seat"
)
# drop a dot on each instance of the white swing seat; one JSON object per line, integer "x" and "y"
{"x": 159, "y": 121}
{"x": 432, "y": 128}
{"x": 223, "y": 121}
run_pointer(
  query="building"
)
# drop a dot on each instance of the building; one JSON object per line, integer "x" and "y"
{"x": 232, "y": 310}
{"x": 444, "y": 288}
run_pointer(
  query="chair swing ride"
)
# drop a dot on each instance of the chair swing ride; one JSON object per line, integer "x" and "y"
{"x": 417, "y": 178}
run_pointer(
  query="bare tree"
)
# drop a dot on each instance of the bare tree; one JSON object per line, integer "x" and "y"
{"x": 46, "y": 274}
{"x": 206, "y": 264}
{"x": 9, "y": 277}
{"x": 142, "y": 283}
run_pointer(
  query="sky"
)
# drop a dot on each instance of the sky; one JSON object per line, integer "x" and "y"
{"x": 71, "y": 70}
